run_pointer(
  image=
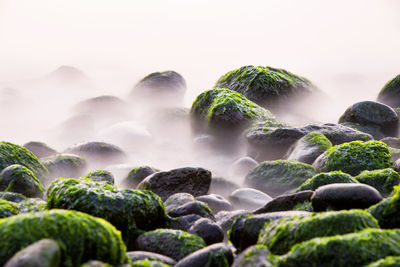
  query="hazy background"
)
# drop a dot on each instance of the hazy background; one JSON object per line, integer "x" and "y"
{"x": 349, "y": 49}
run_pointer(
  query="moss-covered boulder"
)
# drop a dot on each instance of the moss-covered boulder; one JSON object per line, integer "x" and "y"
{"x": 32, "y": 205}
{"x": 355, "y": 249}
{"x": 279, "y": 236}
{"x": 14, "y": 154}
{"x": 193, "y": 207}
{"x": 309, "y": 147}
{"x": 131, "y": 211}
{"x": 390, "y": 261}
{"x": 355, "y": 157}
{"x": 223, "y": 111}
{"x": 279, "y": 176}
{"x": 64, "y": 165}
{"x": 257, "y": 255}
{"x": 146, "y": 255}
{"x": 8, "y": 208}
{"x": 383, "y": 180}
{"x": 149, "y": 263}
{"x": 325, "y": 178}
{"x": 81, "y": 237}
{"x": 267, "y": 86}
{"x": 293, "y": 201}
{"x": 100, "y": 176}
{"x": 40, "y": 149}
{"x": 176, "y": 244}
{"x": 217, "y": 255}
{"x": 390, "y": 93}
{"x": 19, "y": 179}
{"x": 136, "y": 175}
{"x": 387, "y": 212}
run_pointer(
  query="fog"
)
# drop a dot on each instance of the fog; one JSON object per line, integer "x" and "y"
{"x": 348, "y": 49}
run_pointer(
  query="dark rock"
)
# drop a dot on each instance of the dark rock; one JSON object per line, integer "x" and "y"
{"x": 222, "y": 186}
{"x": 257, "y": 255}
{"x": 64, "y": 165}
{"x": 183, "y": 222}
{"x": 344, "y": 196}
{"x": 215, "y": 202}
{"x": 215, "y": 255}
{"x": 193, "y": 207}
{"x": 136, "y": 175}
{"x": 248, "y": 198}
{"x": 286, "y": 202}
{"x": 195, "y": 181}
{"x": 374, "y": 114}
{"x": 208, "y": 230}
{"x": 225, "y": 219}
{"x": 390, "y": 93}
{"x": 146, "y": 255}
{"x": 325, "y": 178}
{"x": 13, "y": 197}
{"x": 374, "y": 130}
{"x": 100, "y": 176}
{"x": 176, "y": 200}
{"x": 40, "y": 149}
{"x": 43, "y": 253}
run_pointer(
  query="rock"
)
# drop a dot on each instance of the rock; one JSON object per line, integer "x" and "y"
{"x": 40, "y": 149}
{"x": 43, "y": 253}
{"x": 279, "y": 176}
{"x": 374, "y": 130}
{"x": 195, "y": 181}
{"x": 382, "y": 180}
{"x": 176, "y": 200}
{"x": 64, "y": 165}
{"x": 269, "y": 142}
{"x": 387, "y": 211}
{"x": 215, "y": 255}
{"x": 100, "y": 176}
{"x": 389, "y": 94}
{"x": 222, "y": 186}
{"x": 146, "y": 255}
{"x": 241, "y": 167}
{"x": 286, "y": 202}
{"x": 248, "y": 198}
{"x": 355, "y": 157}
{"x": 224, "y": 112}
{"x": 308, "y": 148}
{"x": 389, "y": 261}
{"x": 208, "y": 230}
{"x": 98, "y": 152}
{"x": 257, "y": 255}
{"x": 31, "y": 205}
{"x": 225, "y": 219}
{"x": 79, "y": 235}
{"x": 344, "y": 196}
{"x": 8, "y": 208}
{"x": 183, "y": 222}
{"x": 67, "y": 75}
{"x": 131, "y": 211}
{"x": 393, "y": 142}
{"x": 136, "y": 175}
{"x": 13, "y": 154}
{"x": 192, "y": 207}
{"x": 94, "y": 263}
{"x": 176, "y": 244}
{"x": 355, "y": 249}
{"x": 325, "y": 178}
{"x": 245, "y": 229}
{"x": 215, "y": 202}
{"x": 75, "y": 128}
{"x": 269, "y": 87}
{"x": 19, "y": 179}
{"x": 374, "y": 114}
{"x": 281, "y": 235}
{"x": 11, "y": 196}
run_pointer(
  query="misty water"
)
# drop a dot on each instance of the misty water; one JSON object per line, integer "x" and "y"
{"x": 56, "y": 54}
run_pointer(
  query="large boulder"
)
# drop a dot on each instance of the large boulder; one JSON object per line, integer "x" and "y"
{"x": 218, "y": 255}
{"x": 286, "y": 202}
{"x": 221, "y": 111}
{"x": 355, "y": 157}
{"x": 279, "y": 176}
{"x": 382, "y": 180}
{"x": 256, "y": 255}
{"x": 269, "y": 87}
{"x": 390, "y": 93}
{"x": 131, "y": 211}
{"x": 8, "y": 208}
{"x": 80, "y": 236}
{"x": 369, "y": 113}
{"x": 208, "y": 230}
{"x": 325, "y": 178}
{"x": 136, "y": 175}
{"x": 64, "y": 165}
{"x": 387, "y": 212}
{"x": 40, "y": 149}
{"x": 279, "y": 236}
{"x": 195, "y": 181}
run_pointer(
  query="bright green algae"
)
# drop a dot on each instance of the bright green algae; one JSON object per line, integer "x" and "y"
{"x": 325, "y": 178}
{"x": 8, "y": 208}
{"x": 387, "y": 212}
{"x": 81, "y": 237}
{"x": 382, "y": 180}
{"x": 390, "y": 261}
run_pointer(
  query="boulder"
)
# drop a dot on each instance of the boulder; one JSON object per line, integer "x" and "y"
{"x": 390, "y": 93}
{"x": 146, "y": 255}
{"x": 8, "y": 208}
{"x": 215, "y": 202}
{"x": 176, "y": 200}
{"x": 387, "y": 212}
{"x": 219, "y": 255}
{"x": 100, "y": 176}
{"x": 208, "y": 230}
{"x": 248, "y": 198}
{"x": 325, "y": 178}
{"x": 286, "y": 202}
{"x": 256, "y": 255}
{"x": 64, "y": 165}
{"x": 136, "y": 175}
{"x": 40, "y": 149}
{"x": 382, "y": 180}
{"x": 192, "y": 207}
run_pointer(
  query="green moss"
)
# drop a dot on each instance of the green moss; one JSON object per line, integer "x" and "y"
{"x": 387, "y": 212}
{"x": 306, "y": 206}
{"x": 131, "y": 211}
{"x": 81, "y": 237}
{"x": 319, "y": 139}
{"x": 256, "y": 255}
{"x": 383, "y": 180}
{"x": 390, "y": 261}
{"x": 8, "y": 208}
{"x": 12, "y": 196}
{"x": 279, "y": 236}
{"x": 173, "y": 243}
{"x": 357, "y": 156}
{"x": 276, "y": 177}
{"x": 13, "y": 154}
{"x": 149, "y": 263}
{"x": 31, "y": 205}
{"x": 389, "y": 94}
{"x": 325, "y": 178}
{"x": 355, "y": 249}
{"x": 65, "y": 165}
{"x": 100, "y": 176}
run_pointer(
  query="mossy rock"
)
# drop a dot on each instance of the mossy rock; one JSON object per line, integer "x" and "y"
{"x": 19, "y": 179}
{"x": 383, "y": 180}
{"x": 279, "y": 176}
{"x": 279, "y": 236}
{"x": 81, "y": 237}
{"x": 390, "y": 261}
{"x": 390, "y": 93}
{"x": 40, "y": 149}
{"x": 374, "y": 130}
{"x": 14, "y": 154}
{"x": 355, "y": 157}
{"x": 325, "y": 178}
{"x": 131, "y": 211}
{"x": 217, "y": 255}
{"x": 8, "y": 208}
{"x": 136, "y": 175}
{"x": 176, "y": 244}
{"x": 269, "y": 87}
{"x": 309, "y": 147}
{"x": 64, "y": 165}
{"x": 387, "y": 212}
{"x": 355, "y": 249}
{"x": 149, "y": 263}
{"x": 257, "y": 255}
{"x": 223, "y": 111}
{"x": 12, "y": 196}
{"x": 32, "y": 205}
{"x": 100, "y": 176}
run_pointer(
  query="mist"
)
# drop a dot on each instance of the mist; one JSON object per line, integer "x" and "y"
{"x": 348, "y": 49}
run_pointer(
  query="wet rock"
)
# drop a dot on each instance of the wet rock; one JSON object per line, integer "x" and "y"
{"x": 286, "y": 202}
{"x": 325, "y": 178}
{"x": 195, "y": 181}
{"x": 215, "y": 255}
{"x": 225, "y": 219}
{"x": 382, "y": 180}
{"x": 387, "y": 211}
{"x": 390, "y": 93}
{"x": 344, "y": 196}
{"x": 136, "y": 175}
{"x": 242, "y": 166}
{"x": 222, "y": 186}
{"x": 393, "y": 142}
{"x": 8, "y": 208}
{"x": 215, "y": 202}
{"x": 248, "y": 198}
{"x": 64, "y": 165}
{"x": 389, "y": 261}
{"x": 192, "y": 207}
{"x": 374, "y": 130}
{"x": 40, "y": 149}
{"x": 176, "y": 200}
{"x": 148, "y": 263}
{"x": 146, "y": 255}
{"x": 43, "y": 253}
{"x": 256, "y": 255}
{"x": 100, "y": 176}
{"x": 183, "y": 222}
{"x": 208, "y": 230}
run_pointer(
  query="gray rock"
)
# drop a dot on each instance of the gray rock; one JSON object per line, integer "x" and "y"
{"x": 389, "y": 94}
{"x": 222, "y": 186}
{"x": 208, "y": 230}
{"x": 285, "y": 202}
{"x": 256, "y": 255}
{"x": 248, "y": 198}
{"x": 64, "y": 165}
{"x": 193, "y": 207}
{"x": 225, "y": 219}
{"x": 136, "y": 175}
{"x": 40, "y": 149}
{"x": 143, "y": 255}
{"x": 176, "y": 200}
{"x": 215, "y": 202}
{"x": 183, "y": 222}
{"x": 242, "y": 166}
{"x": 215, "y": 255}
